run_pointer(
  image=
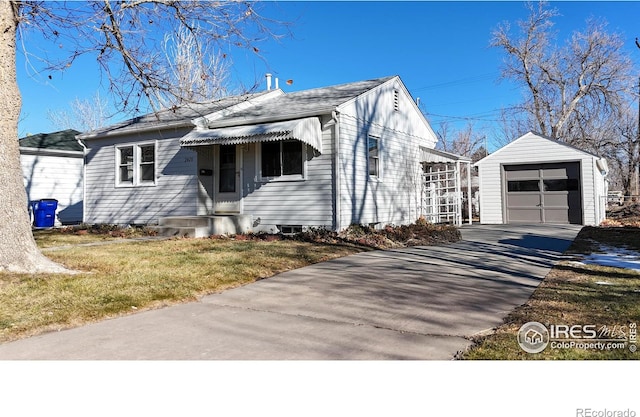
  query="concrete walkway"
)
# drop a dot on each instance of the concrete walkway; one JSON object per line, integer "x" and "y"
{"x": 416, "y": 303}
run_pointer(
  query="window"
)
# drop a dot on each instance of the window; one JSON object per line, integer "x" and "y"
{"x": 290, "y": 229}
{"x": 136, "y": 165}
{"x": 373, "y": 144}
{"x": 570, "y": 184}
{"x": 523, "y": 186}
{"x": 227, "y": 177}
{"x": 147, "y": 163}
{"x": 284, "y": 158}
{"x": 125, "y": 165}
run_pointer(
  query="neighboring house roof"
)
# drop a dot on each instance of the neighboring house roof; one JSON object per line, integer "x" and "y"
{"x": 64, "y": 140}
{"x": 172, "y": 117}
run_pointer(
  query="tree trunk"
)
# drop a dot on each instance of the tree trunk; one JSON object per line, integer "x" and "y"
{"x": 18, "y": 249}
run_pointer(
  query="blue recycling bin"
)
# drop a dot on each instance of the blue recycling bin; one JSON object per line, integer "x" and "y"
{"x": 44, "y": 212}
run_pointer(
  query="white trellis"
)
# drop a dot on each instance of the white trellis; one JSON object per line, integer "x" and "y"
{"x": 442, "y": 195}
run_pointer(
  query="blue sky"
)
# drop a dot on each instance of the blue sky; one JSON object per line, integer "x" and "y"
{"x": 439, "y": 49}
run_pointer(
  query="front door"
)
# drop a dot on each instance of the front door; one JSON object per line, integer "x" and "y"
{"x": 227, "y": 179}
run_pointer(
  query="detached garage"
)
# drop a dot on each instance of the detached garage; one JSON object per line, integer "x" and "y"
{"x": 535, "y": 179}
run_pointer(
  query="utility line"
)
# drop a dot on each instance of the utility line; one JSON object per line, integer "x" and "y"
{"x": 460, "y": 81}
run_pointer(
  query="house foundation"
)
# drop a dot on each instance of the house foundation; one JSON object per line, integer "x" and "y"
{"x": 204, "y": 226}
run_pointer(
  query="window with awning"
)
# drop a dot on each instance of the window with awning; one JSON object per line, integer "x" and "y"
{"x": 305, "y": 130}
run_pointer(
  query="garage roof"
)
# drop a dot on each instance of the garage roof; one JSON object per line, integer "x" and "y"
{"x": 529, "y": 136}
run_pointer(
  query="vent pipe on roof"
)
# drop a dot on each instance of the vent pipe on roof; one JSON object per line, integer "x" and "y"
{"x": 268, "y": 76}
{"x": 276, "y": 87}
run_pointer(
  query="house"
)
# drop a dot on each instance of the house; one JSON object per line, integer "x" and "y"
{"x": 535, "y": 179}
{"x": 52, "y": 167}
{"x": 268, "y": 161}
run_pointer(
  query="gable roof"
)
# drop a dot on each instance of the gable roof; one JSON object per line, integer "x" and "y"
{"x": 171, "y": 117}
{"x": 64, "y": 140}
{"x": 282, "y": 106}
{"x": 528, "y": 136}
{"x": 301, "y": 104}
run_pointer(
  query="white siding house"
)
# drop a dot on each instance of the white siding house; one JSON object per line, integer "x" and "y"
{"x": 327, "y": 157}
{"x": 52, "y": 168}
{"x": 535, "y": 179}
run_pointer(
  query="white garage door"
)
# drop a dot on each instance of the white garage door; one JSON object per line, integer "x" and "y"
{"x": 543, "y": 193}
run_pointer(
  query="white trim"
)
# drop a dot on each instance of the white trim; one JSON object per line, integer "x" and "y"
{"x": 378, "y": 176}
{"x": 281, "y": 178}
{"x": 220, "y": 115}
{"x": 137, "y": 182}
{"x": 50, "y": 152}
{"x": 530, "y": 135}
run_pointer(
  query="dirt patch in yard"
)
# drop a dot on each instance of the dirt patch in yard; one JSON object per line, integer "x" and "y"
{"x": 625, "y": 215}
{"x": 420, "y": 233}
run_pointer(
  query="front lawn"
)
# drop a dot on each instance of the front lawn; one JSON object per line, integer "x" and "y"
{"x": 121, "y": 278}
{"x": 126, "y": 276}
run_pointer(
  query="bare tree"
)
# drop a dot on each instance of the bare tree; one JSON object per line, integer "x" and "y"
{"x": 196, "y": 71}
{"x": 465, "y": 142}
{"x": 587, "y": 77}
{"x": 621, "y": 147}
{"x": 125, "y": 38}
{"x": 84, "y": 115}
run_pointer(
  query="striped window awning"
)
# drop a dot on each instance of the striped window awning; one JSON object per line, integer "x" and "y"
{"x": 305, "y": 130}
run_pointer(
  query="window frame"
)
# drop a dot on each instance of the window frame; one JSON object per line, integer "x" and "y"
{"x": 137, "y": 165}
{"x": 282, "y": 177}
{"x": 378, "y": 157}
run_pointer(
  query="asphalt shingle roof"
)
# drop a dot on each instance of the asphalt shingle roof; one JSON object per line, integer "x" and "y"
{"x": 63, "y": 140}
{"x": 168, "y": 116}
{"x": 293, "y": 105}
{"x": 307, "y": 101}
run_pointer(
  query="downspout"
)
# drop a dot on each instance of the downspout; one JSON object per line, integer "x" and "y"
{"x": 596, "y": 198}
{"x": 458, "y": 194}
{"x": 84, "y": 178}
{"x": 600, "y": 165}
{"x": 469, "y": 190}
{"x": 337, "y": 177}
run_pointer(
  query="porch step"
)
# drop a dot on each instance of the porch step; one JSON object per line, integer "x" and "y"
{"x": 203, "y": 226}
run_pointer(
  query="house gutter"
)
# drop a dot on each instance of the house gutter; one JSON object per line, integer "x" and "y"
{"x": 210, "y": 125}
{"x": 124, "y": 131}
{"x": 48, "y": 152}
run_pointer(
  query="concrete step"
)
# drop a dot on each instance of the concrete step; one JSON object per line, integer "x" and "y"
{"x": 184, "y": 221}
{"x": 182, "y": 231}
{"x": 203, "y": 226}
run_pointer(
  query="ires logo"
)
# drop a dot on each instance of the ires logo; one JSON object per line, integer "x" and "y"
{"x": 534, "y": 337}
{"x": 578, "y": 331}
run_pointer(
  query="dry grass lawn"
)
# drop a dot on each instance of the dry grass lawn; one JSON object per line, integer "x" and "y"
{"x": 121, "y": 278}
{"x": 574, "y": 294}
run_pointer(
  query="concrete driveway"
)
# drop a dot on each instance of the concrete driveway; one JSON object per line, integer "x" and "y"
{"x": 416, "y": 303}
